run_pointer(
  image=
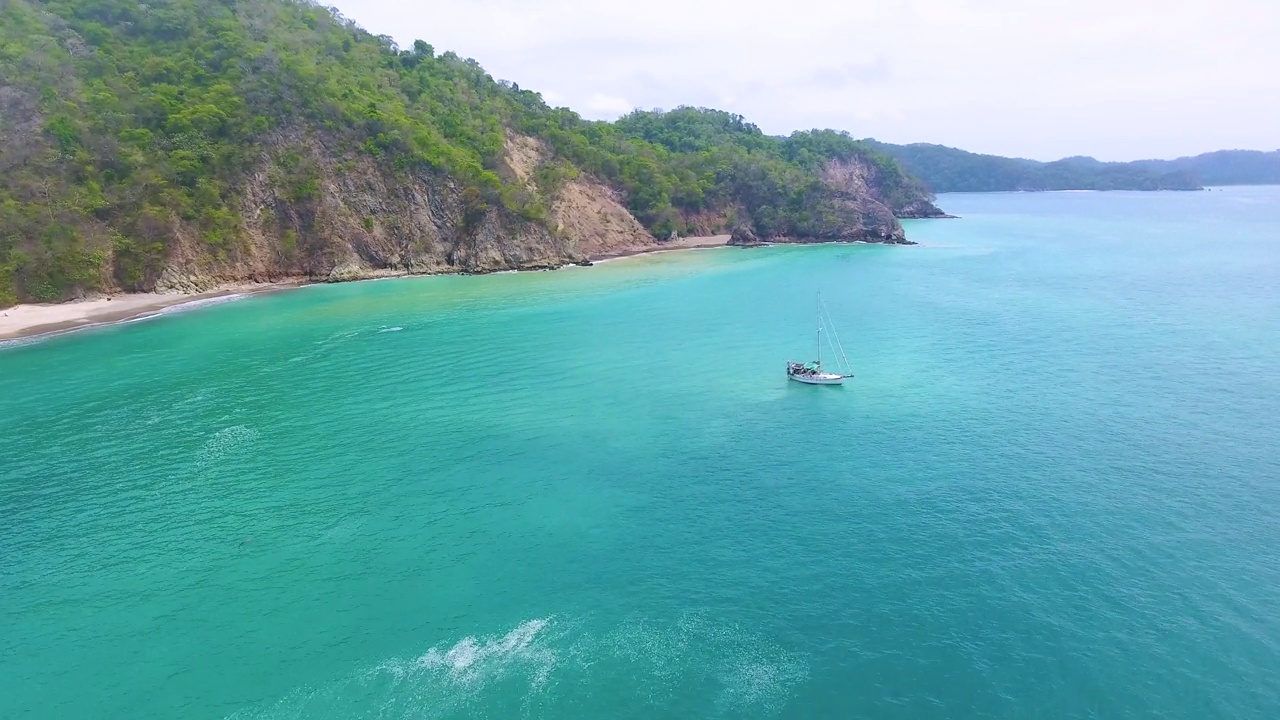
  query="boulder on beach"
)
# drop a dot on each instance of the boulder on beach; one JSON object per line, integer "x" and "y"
{"x": 744, "y": 236}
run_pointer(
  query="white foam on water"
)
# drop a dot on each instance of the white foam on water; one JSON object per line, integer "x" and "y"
{"x": 328, "y": 343}
{"x": 150, "y": 315}
{"x": 183, "y": 307}
{"x": 442, "y": 682}
{"x": 338, "y": 337}
{"x": 543, "y": 668}
{"x": 739, "y": 670}
{"x": 18, "y": 342}
{"x": 760, "y": 683}
{"x": 223, "y": 442}
{"x": 473, "y": 661}
{"x": 205, "y": 302}
{"x": 384, "y": 329}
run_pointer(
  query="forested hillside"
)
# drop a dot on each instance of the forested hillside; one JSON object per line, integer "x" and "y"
{"x": 181, "y": 143}
{"x": 1224, "y": 167}
{"x": 945, "y": 169}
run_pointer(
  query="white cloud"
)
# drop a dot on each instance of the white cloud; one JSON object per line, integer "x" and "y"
{"x": 605, "y": 107}
{"x": 553, "y": 98}
{"x": 1039, "y": 78}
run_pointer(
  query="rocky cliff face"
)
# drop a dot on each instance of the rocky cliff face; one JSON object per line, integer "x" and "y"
{"x": 363, "y": 222}
{"x": 862, "y": 214}
{"x": 898, "y": 194}
{"x": 860, "y": 204}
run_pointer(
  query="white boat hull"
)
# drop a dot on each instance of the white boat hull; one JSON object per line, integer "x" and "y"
{"x": 820, "y": 379}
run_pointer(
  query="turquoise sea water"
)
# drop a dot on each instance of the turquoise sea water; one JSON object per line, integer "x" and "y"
{"x": 1052, "y": 491}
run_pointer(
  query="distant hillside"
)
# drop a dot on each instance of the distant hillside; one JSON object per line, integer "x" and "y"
{"x": 180, "y": 144}
{"x": 945, "y": 169}
{"x": 1224, "y": 167}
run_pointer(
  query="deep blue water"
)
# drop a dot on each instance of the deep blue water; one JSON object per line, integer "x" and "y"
{"x": 1052, "y": 489}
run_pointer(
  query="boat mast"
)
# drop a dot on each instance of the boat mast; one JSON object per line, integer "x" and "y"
{"x": 819, "y": 329}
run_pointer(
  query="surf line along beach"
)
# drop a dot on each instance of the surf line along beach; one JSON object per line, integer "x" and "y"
{"x": 41, "y": 319}
{"x": 46, "y": 319}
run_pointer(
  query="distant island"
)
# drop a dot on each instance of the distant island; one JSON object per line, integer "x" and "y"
{"x": 1223, "y": 167}
{"x": 944, "y": 169}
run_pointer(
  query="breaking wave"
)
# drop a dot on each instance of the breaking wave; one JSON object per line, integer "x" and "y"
{"x": 204, "y": 302}
{"x": 693, "y": 666}
{"x": 472, "y": 662}
{"x": 442, "y": 682}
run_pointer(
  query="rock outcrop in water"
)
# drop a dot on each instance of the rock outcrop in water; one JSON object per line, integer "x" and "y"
{"x": 182, "y": 146}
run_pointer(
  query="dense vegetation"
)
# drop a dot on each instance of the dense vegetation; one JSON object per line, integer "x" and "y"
{"x": 125, "y": 126}
{"x": 945, "y": 169}
{"x": 715, "y": 158}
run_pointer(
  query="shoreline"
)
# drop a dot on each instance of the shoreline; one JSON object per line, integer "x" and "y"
{"x": 36, "y": 321}
{"x": 688, "y": 243}
{"x": 23, "y": 324}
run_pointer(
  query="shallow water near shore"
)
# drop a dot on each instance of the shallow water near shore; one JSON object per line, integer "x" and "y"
{"x": 1052, "y": 490}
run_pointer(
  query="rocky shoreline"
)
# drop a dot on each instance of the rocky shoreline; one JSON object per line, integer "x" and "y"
{"x": 744, "y": 236}
{"x": 35, "y": 321}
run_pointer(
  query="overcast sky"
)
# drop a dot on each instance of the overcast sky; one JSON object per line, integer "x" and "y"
{"x": 1116, "y": 79}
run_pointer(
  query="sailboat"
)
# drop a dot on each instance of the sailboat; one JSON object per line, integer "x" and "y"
{"x": 811, "y": 373}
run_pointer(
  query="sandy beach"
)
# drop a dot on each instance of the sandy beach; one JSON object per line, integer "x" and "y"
{"x": 688, "y": 243}
{"x": 36, "y": 319}
{"x": 32, "y": 320}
